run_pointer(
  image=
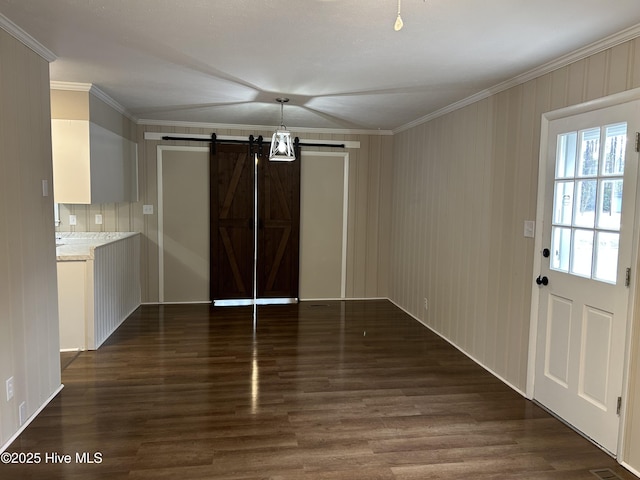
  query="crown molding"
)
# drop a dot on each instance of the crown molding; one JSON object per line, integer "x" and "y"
{"x": 21, "y": 35}
{"x": 577, "y": 55}
{"x": 337, "y": 131}
{"x": 70, "y": 86}
{"x": 96, "y": 92}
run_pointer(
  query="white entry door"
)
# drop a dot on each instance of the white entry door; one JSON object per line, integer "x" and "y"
{"x": 589, "y": 203}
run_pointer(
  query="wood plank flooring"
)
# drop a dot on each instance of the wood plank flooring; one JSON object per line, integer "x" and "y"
{"x": 321, "y": 390}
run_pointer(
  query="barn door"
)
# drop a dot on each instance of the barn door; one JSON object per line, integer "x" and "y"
{"x": 253, "y": 259}
{"x": 278, "y": 228}
{"x": 231, "y": 223}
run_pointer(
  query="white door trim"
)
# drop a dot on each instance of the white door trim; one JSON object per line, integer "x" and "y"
{"x": 605, "y": 102}
{"x": 159, "y": 212}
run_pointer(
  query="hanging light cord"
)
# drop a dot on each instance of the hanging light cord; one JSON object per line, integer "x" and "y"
{"x": 282, "y": 115}
{"x": 398, "y": 25}
{"x": 282, "y": 101}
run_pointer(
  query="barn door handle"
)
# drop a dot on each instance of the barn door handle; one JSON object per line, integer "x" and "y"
{"x": 542, "y": 280}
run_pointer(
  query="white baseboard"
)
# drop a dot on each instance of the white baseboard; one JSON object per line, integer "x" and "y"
{"x": 31, "y": 419}
{"x": 468, "y": 355}
{"x": 155, "y": 304}
{"x": 630, "y": 468}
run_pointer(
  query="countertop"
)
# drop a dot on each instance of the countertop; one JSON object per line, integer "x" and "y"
{"x": 74, "y": 246}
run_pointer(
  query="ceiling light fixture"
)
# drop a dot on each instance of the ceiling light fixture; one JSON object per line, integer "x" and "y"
{"x": 399, "y": 23}
{"x": 281, "y": 144}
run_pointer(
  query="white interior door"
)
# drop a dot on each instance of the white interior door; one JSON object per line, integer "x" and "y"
{"x": 589, "y": 203}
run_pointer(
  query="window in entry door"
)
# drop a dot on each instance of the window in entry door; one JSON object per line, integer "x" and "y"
{"x": 587, "y": 203}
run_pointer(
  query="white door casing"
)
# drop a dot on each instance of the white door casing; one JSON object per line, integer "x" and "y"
{"x": 579, "y": 333}
{"x": 192, "y": 260}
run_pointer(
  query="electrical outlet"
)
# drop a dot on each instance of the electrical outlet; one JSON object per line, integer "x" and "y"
{"x": 147, "y": 209}
{"x": 426, "y": 304}
{"x": 73, "y": 220}
{"x": 9, "y": 384}
{"x": 98, "y": 219}
{"x": 23, "y": 412}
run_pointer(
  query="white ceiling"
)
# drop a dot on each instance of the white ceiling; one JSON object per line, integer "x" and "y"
{"x": 339, "y": 61}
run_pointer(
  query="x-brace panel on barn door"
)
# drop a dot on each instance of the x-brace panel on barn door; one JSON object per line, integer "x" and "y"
{"x": 237, "y": 236}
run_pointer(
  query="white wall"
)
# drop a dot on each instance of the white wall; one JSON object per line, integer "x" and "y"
{"x": 29, "y": 338}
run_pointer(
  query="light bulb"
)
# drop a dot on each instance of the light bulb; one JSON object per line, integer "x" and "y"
{"x": 398, "y": 25}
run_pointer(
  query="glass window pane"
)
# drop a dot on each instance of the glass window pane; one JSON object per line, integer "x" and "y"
{"x": 566, "y": 155}
{"x": 582, "y": 253}
{"x": 589, "y": 153}
{"x": 563, "y": 203}
{"x": 585, "y": 203}
{"x": 610, "y": 204}
{"x": 615, "y": 144}
{"x": 561, "y": 248}
{"x": 607, "y": 257}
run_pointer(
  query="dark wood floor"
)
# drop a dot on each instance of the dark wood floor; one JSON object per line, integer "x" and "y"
{"x": 331, "y": 390}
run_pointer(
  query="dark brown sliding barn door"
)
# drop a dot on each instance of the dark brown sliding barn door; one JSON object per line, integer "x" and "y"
{"x": 279, "y": 228}
{"x": 232, "y": 233}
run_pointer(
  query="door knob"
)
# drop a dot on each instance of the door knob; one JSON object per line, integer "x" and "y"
{"x": 542, "y": 280}
{"x": 546, "y": 252}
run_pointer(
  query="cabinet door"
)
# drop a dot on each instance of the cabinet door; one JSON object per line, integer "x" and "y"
{"x": 231, "y": 223}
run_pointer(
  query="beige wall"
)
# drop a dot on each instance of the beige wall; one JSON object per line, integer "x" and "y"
{"x": 69, "y": 105}
{"x": 85, "y": 105}
{"x": 185, "y": 225}
{"x": 322, "y": 203}
{"x": 463, "y": 185}
{"x": 29, "y": 343}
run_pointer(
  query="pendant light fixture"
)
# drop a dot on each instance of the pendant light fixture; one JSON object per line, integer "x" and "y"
{"x": 281, "y": 144}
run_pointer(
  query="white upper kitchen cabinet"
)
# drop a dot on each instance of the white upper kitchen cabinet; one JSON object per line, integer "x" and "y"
{"x": 92, "y": 164}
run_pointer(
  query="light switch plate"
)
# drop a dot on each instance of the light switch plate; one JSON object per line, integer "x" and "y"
{"x": 98, "y": 219}
{"x": 9, "y": 385}
{"x": 147, "y": 209}
{"x": 529, "y": 228}
{"x": 73, "y": 220}
{"x": 45, "y": 188}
